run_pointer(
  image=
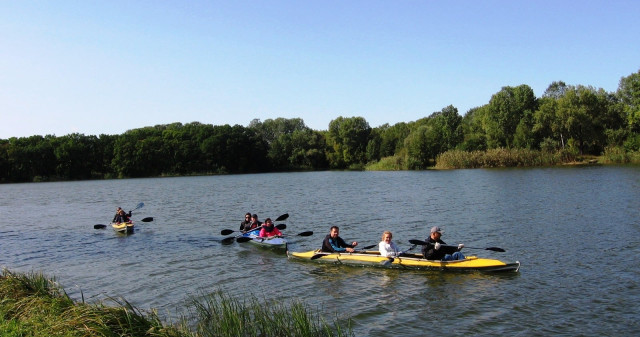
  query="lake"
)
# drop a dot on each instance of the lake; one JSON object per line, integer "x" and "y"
{"x": 576, "y": 232}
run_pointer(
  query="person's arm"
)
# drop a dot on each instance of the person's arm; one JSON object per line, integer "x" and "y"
{"x": 338, "y": 245}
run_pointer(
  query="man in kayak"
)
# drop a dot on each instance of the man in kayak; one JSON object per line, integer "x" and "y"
{"x": 269, "y": 230}
{"x": 246, "y": 223}
{"x": 333, "y": 243}
{"x": 435, "y": 248}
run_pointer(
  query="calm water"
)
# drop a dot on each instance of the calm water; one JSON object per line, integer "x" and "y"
{"x": 576, "y": 232}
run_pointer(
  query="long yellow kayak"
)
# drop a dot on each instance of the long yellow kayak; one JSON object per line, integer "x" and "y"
{"x": 406, "y": 261}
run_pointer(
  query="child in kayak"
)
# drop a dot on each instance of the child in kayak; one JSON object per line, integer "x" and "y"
{"x": 387, "y": 247}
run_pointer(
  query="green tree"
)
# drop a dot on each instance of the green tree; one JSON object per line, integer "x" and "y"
{"x": 348, "y": 139}
{"x": 629, "y": 94}
{"x": 585, "y": 113}
{"x": 422, "y": 146}
{"x": 75, "y": 156}
{"x": 505, "y": 110}
{"x": 446, "y": 128}
{"x": 473, "y": 131}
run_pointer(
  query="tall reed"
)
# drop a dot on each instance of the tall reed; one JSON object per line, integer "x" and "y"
{"x": 221, "y": 315}
{"x": 34, "y": 305}
{"x": 501, "y": 157}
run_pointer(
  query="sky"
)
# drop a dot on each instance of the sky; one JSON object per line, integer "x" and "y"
{"x": 104, "y": 67}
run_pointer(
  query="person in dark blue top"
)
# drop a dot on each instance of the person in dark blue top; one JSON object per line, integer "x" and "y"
{"x": 333, "y": 243}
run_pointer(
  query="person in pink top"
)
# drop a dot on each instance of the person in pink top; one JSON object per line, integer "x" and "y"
{"x": 269, "y": 230}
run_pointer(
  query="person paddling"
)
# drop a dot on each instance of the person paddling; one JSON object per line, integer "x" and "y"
{"x": 433, "y": 250}
{"x": 269, "y": 230}
{"x": 121, "y": 216}
{"x": 333, "y": 242}
{"x": 255, "y": 223}
{"x": 246, "y": 223}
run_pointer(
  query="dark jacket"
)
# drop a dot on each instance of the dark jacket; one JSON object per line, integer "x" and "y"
{"x": 429, "y": 251}
{"x": 331, "y": 246}
{"x": 244, "y": 224}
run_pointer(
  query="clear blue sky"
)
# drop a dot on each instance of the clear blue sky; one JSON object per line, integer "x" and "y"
{"x": 103, "y": 67}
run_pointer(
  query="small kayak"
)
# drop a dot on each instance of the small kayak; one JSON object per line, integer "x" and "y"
{"x": 123, "y": 227}
{"x": 269, "y": 242}
{"x": 407, "y": 261}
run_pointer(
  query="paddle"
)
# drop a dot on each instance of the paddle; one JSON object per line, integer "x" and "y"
{"x": 247, "y": 239}
{"x": 424, "y": 243}
{"x": 391, "y": 259}
{"x": 140, "y": 205}
{"x": 319, "y": 255}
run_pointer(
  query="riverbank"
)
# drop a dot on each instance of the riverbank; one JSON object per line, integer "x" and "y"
{"x": 34, "y": 305}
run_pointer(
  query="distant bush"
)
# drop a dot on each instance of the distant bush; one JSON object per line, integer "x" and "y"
{"x": 393, "y": 163}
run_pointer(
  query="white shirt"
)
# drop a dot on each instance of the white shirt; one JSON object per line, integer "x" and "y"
{"x": 388, "y": 249}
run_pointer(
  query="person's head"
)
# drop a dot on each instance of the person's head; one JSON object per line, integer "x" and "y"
{"x": 436, "y": 232}
{"x": 334, "y": 231}
{"x": 386, "y": 236}
{"x": 254, "y": 217}
{"x": 268, "y": 222}
{"x": 247, "y": 217}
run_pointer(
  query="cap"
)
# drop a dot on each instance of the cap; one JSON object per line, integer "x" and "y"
{"x": 436, "y": 229}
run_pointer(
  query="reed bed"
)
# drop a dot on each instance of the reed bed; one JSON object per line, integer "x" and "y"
{"x": 220, "y": 315}
{"x": 34, "y": 305}
{"x": 501, "y": 157}
{"x": 619, "y": 155}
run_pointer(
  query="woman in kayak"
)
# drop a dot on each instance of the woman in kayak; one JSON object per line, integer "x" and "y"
{"x": 269, "y": 230}
{"x": 246, "y": 223}
{"x": 387, "y": 247}
{"x": 434, "y": 249}
{"x": 333, "y": 242}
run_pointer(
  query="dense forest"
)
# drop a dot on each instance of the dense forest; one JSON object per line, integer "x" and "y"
{"x": 570, "y": 120}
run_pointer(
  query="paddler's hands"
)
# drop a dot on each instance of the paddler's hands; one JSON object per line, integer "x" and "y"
{"x": 436, "y": 246}
{"x": 460, "y": 246}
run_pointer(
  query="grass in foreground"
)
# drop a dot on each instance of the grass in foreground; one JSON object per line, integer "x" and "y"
{"x": 33, "y": 305}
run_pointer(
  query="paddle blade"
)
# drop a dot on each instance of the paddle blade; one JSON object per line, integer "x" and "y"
{"x": 243, "y": 239}
{"x": 99, "y": 226}
{"x": 308, "y": 233}
{"x": 228, "y": 241}
{"x": 496, "y": 249}
{"x": 281, "y": 226}
{"x": 417, "y": 242}
{"x": 282, "y": 217}
{"x": 226, "y": 232}
{"x": 140, "y": 205}
{"x": 317, "y": 256}
{"x": 147, "y": 219}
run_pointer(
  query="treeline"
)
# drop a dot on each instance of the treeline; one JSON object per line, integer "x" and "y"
{"x": 571, "y": 119}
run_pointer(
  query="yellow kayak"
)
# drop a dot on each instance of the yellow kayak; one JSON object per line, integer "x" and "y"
{"x": 123, "y": 227}
{"x": 406, "y": 261}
